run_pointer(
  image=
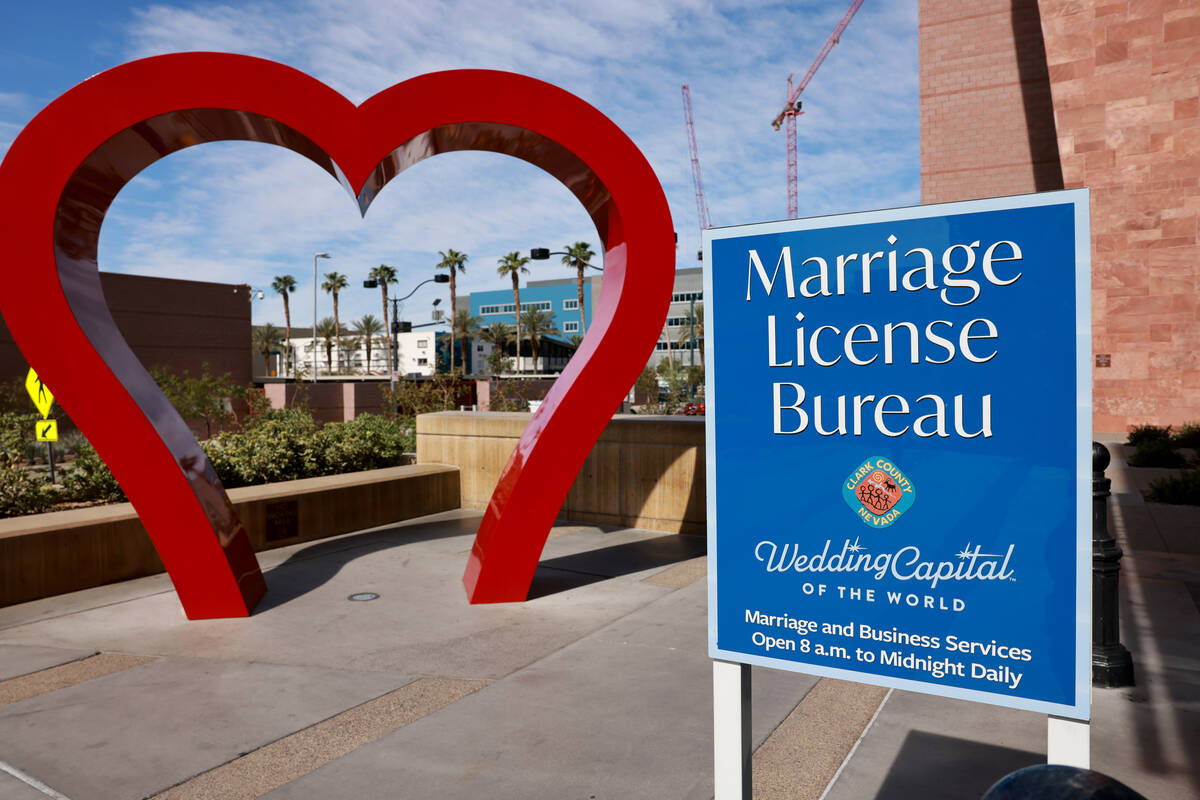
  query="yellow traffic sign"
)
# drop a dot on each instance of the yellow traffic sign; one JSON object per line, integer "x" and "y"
{"x": 39, "y": 393}
{"x": 47, "y": 430}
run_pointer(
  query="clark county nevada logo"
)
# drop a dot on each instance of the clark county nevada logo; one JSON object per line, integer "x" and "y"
{"x": 878, "y": 491}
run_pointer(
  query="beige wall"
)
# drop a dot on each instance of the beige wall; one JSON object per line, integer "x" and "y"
{"x": 645, "y": 472}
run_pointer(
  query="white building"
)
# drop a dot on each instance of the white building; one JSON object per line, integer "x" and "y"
{"x": 417, "y": 355}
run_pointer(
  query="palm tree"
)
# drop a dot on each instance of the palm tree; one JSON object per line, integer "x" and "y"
{"x": 327, "y": 330}
{"x": 578, "y": 256}
{"x": 454, "y": 262}
{"x": 537, "y": 324}
{"x": 498, "y": 335}
{"x": 285, "y": 285}
{"x": 513, "y": 264}
{"x": 576, "y": 340}
{"x": 367, "y": 329}
{"x": 266, "y": 338}
{"x": 465, "y": 326}
{"x": 383, "y": 275}
{"x": 693, "y": 328}
{"x": 334, "y": 282}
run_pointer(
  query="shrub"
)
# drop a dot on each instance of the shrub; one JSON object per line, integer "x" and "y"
{"x": 281, "y": 446}
{"x": 1139, "y": 434}
{"x": 1183, "y": 489}
{"x": 287, "y": 445}
{"x": 89, "y": 479}
{"x": 365, "y": 442}
{"x": 1188, "y": 435}
{"x": 412, "y": 397}
{"x": 21, "y": 492}
{"x": 1156, "y": 453}
{"x": 208, "y": 399}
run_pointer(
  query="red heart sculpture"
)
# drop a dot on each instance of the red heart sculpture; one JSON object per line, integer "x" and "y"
{"x": 62, "y": 172}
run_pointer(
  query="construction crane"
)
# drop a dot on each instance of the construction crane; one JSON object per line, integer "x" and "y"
{"x": 791, "y": 109}
{"x": 701, "y": 206}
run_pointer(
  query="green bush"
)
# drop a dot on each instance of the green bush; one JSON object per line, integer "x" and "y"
{"x": 277, "y": 446}
{"x": 1188, "y": 435}
{"x": 280, "y": 446}
{"x": 1156, "y": 453}
{"x": 21, "y": 491}
{"x": 1141, "y": 434}
{"x": 88, "y": 479}
{"x": 365, "y": 442}
{"x": 287, "y": 445}
{"x": 1183, "y": 489}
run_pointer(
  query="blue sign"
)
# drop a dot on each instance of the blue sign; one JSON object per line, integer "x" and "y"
{"x": 899, "y": 448}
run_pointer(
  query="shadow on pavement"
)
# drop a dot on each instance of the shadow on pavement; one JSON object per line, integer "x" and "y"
{"x": 934, "y": 767}
{"x": 324, "y": 559}
{"x": 580, "y": 569}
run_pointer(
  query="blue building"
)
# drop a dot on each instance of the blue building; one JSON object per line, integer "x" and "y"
{"x": 559, "y": 297}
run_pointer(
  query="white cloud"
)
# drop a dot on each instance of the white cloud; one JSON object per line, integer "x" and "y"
{"x": 244, "y": 213}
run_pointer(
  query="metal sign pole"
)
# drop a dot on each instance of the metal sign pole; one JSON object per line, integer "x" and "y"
{"x": 732, "y": 747}
{"x": 50, "y": 448}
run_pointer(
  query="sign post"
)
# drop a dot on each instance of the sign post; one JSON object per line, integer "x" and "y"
{"x": 45, "y": 430}
{"x": 899, "y": 451}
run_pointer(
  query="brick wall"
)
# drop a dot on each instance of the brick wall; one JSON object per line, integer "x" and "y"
{"x": 1125, "y": 77}
{"x": 179, "y": 324}
{"x": 1018, "y": 97}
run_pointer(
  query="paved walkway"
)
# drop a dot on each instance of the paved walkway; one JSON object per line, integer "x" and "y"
{"x": 598, "y": 687}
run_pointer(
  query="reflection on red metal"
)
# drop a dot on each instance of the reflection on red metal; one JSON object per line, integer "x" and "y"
{"x": 63, "y": 171}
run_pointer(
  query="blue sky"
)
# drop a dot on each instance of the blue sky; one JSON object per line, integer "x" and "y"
{"x": 243, "y": 212}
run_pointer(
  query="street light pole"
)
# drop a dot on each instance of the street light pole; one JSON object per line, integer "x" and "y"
{"x": 441, "y": 277}
{"x": 314, "y": 327}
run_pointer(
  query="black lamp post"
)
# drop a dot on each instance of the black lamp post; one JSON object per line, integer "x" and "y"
{"x": 1112, "y": 665}
{"x": 399, "y": 327}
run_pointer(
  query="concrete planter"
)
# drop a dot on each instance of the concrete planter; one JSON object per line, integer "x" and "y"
{"x": 63, "y": 551}
{"x": 644, "y": 472}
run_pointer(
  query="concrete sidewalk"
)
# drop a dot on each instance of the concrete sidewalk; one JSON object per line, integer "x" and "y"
{"x": 597, "y": 687}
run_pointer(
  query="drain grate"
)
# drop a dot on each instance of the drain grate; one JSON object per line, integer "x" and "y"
{"x": 362, "y": 597}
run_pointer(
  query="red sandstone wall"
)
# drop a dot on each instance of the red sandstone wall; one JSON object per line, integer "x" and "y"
{"x": 1125, "y": 78}
{"x": 987, "y": 126}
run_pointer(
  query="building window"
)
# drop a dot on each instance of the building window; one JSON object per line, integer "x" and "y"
{"x": 570, "y": 327}
{"x": 570, "y": 305}
{"x": 684, "y": 297}
{"x": 510, "y": 308}
{"x": 681, "y": 322}
{"x": 422, "y": 343}
{"x": 478, "y": 348}
{"x": 421, "y": 362}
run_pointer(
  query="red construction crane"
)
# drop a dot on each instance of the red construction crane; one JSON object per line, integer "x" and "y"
{"x": 791, "y": 109}
{"x": 701, "y": 206}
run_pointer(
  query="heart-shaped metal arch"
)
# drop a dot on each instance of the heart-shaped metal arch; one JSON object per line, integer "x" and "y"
{"x": 61, "y": 174}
